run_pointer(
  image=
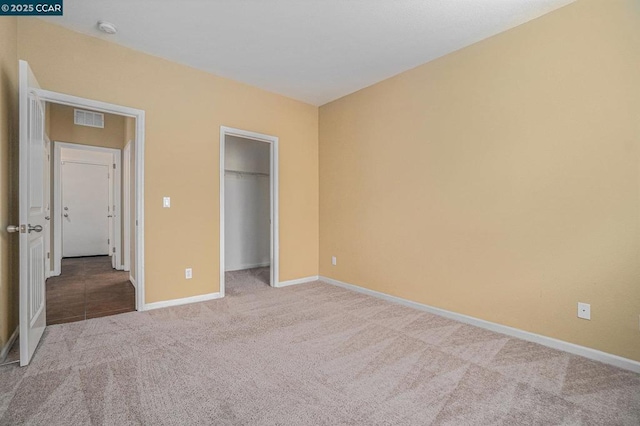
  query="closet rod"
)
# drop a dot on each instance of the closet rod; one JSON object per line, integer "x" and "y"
{"x": 240, "y": 172}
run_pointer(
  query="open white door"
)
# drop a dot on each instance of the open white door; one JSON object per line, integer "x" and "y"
{"x": 32, "y": 215}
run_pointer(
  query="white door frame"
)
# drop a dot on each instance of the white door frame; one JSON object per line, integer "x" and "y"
{"x": 126, "y": 206}
{"x": 273, "y": 184}
{"x": 48, "y": 242}
{"x": 139, "y": 115}
{"x": 115, "y": 208}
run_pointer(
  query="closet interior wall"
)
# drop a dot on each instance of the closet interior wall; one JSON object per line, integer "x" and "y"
{"x": 247, "y": 203}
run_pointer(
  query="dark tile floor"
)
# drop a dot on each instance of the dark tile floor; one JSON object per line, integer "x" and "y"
{"x": 88, "y": 288}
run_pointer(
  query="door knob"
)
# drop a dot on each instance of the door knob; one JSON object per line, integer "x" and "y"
{"x": 46, "y": 218}
{"x": 14, "y": 228}
{"x": 66, "y": 215}
{"x": 37, "y": 228}
{"x": 66, "y": 208}
{"x": 109, "y": 215}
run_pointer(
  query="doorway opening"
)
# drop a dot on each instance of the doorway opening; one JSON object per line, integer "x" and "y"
{"x": 88, "y": 183}
{"x": 87, "y": 188}
{"x": 89, "y": 242}
{"x": 248, "y": 210}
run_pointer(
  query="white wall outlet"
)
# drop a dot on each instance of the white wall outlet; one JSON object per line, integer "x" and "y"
{"x": 188, "y": 273}
{"x": 334, "y": 260}
{"x": 166, "y": 202}
{"x": 584, "y": 311}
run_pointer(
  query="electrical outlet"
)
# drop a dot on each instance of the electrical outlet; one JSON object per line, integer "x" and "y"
{"x": 584, "y": 311}
{"x": 334, "y": 260}
{"x": 188, "y": 273}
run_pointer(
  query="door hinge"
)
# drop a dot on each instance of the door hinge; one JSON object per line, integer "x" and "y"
{"x": 114, "y": 250}
{"x": 108, "y": 241}
{"x": 114, "y": 166}
{"x": 48, "y": 255}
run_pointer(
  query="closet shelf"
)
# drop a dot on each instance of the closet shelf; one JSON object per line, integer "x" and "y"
{"x": 240, "y": 172}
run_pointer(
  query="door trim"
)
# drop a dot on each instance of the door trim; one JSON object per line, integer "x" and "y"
{"x": 48, "y": 184}
{"x": 114, "y": 191}
{"x": 139, "y": 115}
{"x": 273, "y": 184}
{"x": 126, "y": 207}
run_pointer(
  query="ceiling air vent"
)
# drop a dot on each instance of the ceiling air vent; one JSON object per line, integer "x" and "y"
{"x": 88, "y": 118}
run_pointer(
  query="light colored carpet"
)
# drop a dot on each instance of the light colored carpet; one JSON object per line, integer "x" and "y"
{"x": 302, "y": 355}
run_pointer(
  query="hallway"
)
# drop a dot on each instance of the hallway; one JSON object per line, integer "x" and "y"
{"x": 88, "y": 288}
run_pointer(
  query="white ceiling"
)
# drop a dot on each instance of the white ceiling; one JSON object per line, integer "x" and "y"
{"x": 311, "y": 50}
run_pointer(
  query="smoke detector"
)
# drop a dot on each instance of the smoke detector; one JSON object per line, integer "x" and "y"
{"x": 107, "y": 27}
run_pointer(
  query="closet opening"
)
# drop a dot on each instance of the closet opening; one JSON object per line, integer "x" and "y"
{"x": 248, "y": 211}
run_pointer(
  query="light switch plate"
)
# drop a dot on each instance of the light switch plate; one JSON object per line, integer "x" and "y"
{"x": 188, "y": 273}
{"x": 166, "y": 202}
{"x": 334, "y": 260}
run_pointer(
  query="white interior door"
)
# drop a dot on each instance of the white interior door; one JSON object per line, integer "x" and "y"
{"x": 32, "y": 212}
{"x": 85, "y": 209}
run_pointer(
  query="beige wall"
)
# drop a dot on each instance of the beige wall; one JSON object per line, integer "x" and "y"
{"x": 8, "y": 176}
{"x": 500, "y": 181}
{"x": 184, "y": 111}
{"x": 62, "y": 129}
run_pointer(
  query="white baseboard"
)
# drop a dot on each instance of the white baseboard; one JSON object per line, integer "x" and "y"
{"x": 298, "y": 281}
{"x": 594, "y": 354}
{"x": 183, "y": 301}
{"x": 133, "y": 281}
{"x": 247, "y": 266}
{"x": 7, "y": 346}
